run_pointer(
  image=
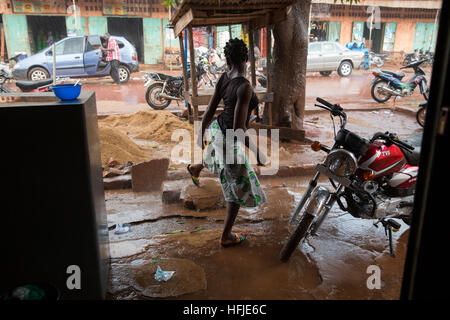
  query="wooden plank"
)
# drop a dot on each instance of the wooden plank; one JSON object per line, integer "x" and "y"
{"x": 192, "y": 71}
{"x": 268, "y": 68}
{"x": 269, "y": 19}
{"x": 203, "y": 99}
{"x": 183, "y": 62}
{"x": 284, "y": 132}
{"x": 183, "y": 22}
{"x": 252, "y": 57}
{"x": 2, "y": 43}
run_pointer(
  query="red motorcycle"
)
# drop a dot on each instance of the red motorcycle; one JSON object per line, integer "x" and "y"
{"x": 371, "y": 179}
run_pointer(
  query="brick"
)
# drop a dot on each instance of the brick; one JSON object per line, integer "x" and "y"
{"x": 149, "y": 176}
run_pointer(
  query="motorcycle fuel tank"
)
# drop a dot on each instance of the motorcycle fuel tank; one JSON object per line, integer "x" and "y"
{"x": 382, "y": 160}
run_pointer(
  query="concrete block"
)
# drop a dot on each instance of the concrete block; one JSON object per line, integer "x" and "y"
{"x": 149, "y": 176}
{"x": 208, "y": 196}
{"x": 119, "y": 182}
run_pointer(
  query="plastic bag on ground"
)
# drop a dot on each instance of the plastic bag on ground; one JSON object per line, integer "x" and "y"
{"x": 161, "y": 275}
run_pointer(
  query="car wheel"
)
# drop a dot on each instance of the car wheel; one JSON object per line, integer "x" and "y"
{"x": 325, "y": 73}
{"x": 345, "y": 69}
{"x": 38, "y": 74}
{"x": 124, "y": 74}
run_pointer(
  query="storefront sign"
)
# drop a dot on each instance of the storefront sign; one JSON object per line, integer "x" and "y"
{"x": 320, "y": 10}
{"x": 115, "y": 7}
{"x": 33, "y": 7}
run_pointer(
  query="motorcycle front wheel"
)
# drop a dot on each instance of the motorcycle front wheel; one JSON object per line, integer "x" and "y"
{"x": 295, "y": 238}
{"x": 420, "y": 116}
{"x": 152, "y": 97}
{"x": 377, "y": 93}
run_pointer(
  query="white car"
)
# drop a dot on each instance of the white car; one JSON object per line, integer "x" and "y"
{"x": 328, "y": 56}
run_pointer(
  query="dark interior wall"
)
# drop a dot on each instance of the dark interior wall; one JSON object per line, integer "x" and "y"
{"x": 377, "y": 37}
{"x": 426, "y": 272}
{"x": 40, "y": 26}
{"x": 131, "y": 29}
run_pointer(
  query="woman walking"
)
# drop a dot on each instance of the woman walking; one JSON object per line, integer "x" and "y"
{"x": 240, "y": 185}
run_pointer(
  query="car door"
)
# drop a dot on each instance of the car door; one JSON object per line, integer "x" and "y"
{"x": 314, "y": 60}
{"x": 69, "y": 57}
{"x": 92, "y": 54}
{"x": 330, "y": 56}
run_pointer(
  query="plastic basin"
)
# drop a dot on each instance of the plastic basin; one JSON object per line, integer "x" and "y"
{"x": 67, "y": 91}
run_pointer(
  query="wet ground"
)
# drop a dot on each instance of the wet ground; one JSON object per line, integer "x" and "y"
{"x": 331, "y": 265}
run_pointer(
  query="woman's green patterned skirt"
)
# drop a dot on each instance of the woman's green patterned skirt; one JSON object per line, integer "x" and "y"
{"x": 239, "y": 181}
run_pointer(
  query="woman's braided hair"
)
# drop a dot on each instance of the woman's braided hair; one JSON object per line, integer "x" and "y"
{"x": 236, "y": 51}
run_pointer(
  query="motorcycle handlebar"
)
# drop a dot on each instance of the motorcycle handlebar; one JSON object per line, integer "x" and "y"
{"x": 324, "y": 102}
{"x": 392, "y": 138}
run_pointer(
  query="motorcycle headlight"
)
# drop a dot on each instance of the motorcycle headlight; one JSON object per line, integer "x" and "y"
{"x": 341, "y": 162}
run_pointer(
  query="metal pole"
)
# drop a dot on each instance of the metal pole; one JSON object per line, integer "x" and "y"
{"x": 54, "y": 62}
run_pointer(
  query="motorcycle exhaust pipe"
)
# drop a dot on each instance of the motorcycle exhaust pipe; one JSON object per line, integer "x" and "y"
{"x": 391, "y": 91}
{"x": 167, "y": 97}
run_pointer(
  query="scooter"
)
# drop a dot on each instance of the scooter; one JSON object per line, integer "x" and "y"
{"x": 388, "y": 83}
{"x": 375, "y": 179}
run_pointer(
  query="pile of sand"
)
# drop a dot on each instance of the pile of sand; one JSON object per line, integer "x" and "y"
{"x": 115, "y": 144}
{"x": 148, "y": 125}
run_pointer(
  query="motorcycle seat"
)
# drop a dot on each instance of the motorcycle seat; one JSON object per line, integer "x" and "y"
{"x": 413, "y": 157}
{"x": 168, "y": 77}
{"x": 30, "y": 85}
{"x": 398, "y": 75}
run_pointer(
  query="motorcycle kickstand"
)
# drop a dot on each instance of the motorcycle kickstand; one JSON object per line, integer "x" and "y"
{"x": 388, "y": 232}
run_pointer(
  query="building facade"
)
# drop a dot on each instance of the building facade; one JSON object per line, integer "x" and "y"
{"x": 28, "y": 26}
{"x": 397, "y": 25}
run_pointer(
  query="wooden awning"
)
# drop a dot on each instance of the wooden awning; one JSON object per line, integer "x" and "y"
{"x": 255, "y": 13}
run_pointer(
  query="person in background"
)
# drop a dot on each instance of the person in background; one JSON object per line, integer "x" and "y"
{"x": 113, "y": 56}
{"x": 49, "y": 39}
{"x": 210, "y": 36}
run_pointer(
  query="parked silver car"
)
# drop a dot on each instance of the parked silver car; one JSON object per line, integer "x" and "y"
{"x": 327, "y": 56}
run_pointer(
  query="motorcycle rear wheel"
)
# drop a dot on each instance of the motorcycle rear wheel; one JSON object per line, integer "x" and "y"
{"x": 376, "y": 95}
{"x": 295, "y": 238}
{"x": 151, "y": 97}
{"x": 420, "y": 116}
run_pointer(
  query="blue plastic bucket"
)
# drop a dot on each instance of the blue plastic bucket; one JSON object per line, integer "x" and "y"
{"x": 67, "y": 91}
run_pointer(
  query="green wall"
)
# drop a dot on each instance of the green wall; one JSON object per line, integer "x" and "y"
{"x": 80, "y": 29}
{"x": 152, "y": 40}
{"x": 16, "y": 30}
{"x": 425, "y": 36}
{"x": 98, "y": 25}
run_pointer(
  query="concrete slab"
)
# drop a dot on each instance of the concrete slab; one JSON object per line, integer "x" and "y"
{"x": 148, "y": 176}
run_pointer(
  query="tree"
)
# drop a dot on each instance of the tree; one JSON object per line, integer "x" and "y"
{"x": 288, "y": 73}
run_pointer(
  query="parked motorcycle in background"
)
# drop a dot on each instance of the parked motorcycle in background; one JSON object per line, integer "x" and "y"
{"x": 377, "y": 59}
{"x": 388, "y": 83}
{"x": 5, "y": 69}
{"x": 375, "y": 179}
{"x": 217, "y": 63}
{"x": 421, "y": 113}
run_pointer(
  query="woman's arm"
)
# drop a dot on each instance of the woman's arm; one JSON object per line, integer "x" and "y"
{"x": 210, "y": 110}
{"x": 244, "y": 95}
